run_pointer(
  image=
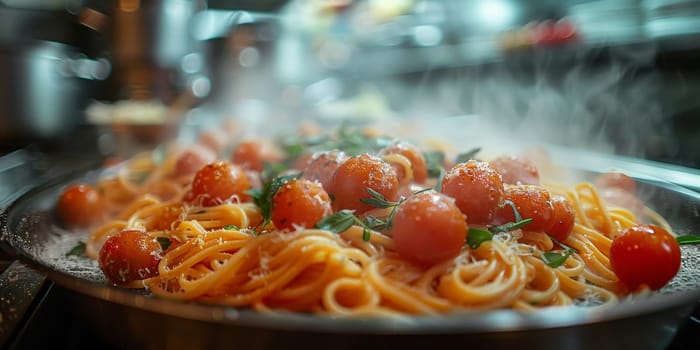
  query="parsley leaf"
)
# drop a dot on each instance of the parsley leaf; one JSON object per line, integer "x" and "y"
{"x": 79, "y": 249}
{"x": 556, "y": 259}
{"x": 263, "y": 198}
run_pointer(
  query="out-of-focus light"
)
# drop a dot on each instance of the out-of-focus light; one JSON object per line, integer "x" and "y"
{"x": 201, "y": 86}
{"x": 495, "y": 14}
{"x": 334, "y": 54}
{"x": 249, "y": 57}
{"x": 427, "y": 35}
{"x": 191, "y": 63}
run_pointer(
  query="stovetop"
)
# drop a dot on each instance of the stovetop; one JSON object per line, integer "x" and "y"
{"x": 33, "y": 310}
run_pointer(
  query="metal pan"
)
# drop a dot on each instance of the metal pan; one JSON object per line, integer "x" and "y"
{"x": 128, "y": 318}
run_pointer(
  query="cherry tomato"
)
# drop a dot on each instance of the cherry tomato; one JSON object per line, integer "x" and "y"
{"x": 616, "y": 179}
{"x": 252, "y": 155}
{"x": 193, "y": 159}
{"x": 563, "y": 218}
{"x": 414, "y": 155}
{"x": 80, "y": 206}
{"x": 217, "y": 183}
{"x": 352, "y": 178}
{"x": 322, "y": 166}
{"x": 428, "y": 228}
{"x": 477, "y": 189}
{"x": 214, "y": 139}
{"x": 300, "y": 203}
{"x": 130, "y": 255}
{"x": 516, "y": 171}
{"x": 532, "y": 202}
{"x": 645, "y": 255}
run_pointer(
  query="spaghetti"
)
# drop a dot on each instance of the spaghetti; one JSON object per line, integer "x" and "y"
{"x": 230, "y": 254}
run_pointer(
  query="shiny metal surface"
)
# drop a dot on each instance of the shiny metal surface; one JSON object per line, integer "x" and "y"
{"x": 642, "y": 323}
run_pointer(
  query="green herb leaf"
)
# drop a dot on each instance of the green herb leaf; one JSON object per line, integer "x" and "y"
{"x": 79, "y": 249}
{"x": 556, "y": 259}
{"x": 688, "y": 239}
{"x": 510, "y": 226}
{"x": 377, "y": 200}
{"x": 516, "y": 213}
{"x": 375, "y": 223}
{"x": 231, "y": 227}
{"x": 366, "y": 234}
{"x": 476, "y": 236}
{"x": 433, "y": 162}
{"x": 468, "y": 155}
{"x": 338, "y": 222}
{"x": 164, "y": 242}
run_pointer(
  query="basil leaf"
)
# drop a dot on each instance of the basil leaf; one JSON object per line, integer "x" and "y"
{"x": 476, "y": 236}
{"x": 79, "y": 249}
{"x": 510, "y": 226}
{"x": 433, "y": 162}
{"x": 263, "y": 198}
{"x": 688, "y": 239}
{"x": 556, "y": 259}
{"x": 337, "y": 222}
{"x": 164, "y": 242}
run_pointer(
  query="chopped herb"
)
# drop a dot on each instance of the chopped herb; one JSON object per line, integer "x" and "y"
{"x": 378, "y": 200}
{"x": 339, "y": 221}
{"x": 468, "y": 155}
{"x": 375, "y": 223}
{"x": 556, "y": 259}
{"x": 433, "y": 162}
{"x": 516, "y": 213}
{"x": 263, "y": 198}
{"x": 231, "y": 227}
{"x": 164, "y": 242}
{"x": 476, "y": 236}
{"x": 688, "y": 239}
{"x": 510, "y": 226}
{"x": 79, "y": 249}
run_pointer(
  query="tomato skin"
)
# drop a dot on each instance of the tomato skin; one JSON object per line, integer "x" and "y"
{"x": 645, "y": 255}
{"x": 413, "y": 154}
{"x": 322, "y": 166}
{"x": 352, "y": 178}
{"x": 516, "y": 170}
{"x": 428, "y": 228}
{"x": 563, "y": 218}
{"x": 217, "y": 183}
{"x": 616, "y": 180}
{"x": 532, "y": 202}
{"x": 252, "y": 155}
{"x": 80, "y": 205}
{"x": 130, "y": 255}
{"x": 193, "y": 159}
{"x": 477, "y": 189}
{"x": 300, "y": 203}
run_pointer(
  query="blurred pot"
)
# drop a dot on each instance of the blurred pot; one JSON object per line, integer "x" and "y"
{"x": 45, "y": 88}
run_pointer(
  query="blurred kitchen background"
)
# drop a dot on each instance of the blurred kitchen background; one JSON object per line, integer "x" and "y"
{"x": 107, "y": 77}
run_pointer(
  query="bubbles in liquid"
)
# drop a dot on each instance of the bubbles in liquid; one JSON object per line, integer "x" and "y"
{"x": 54, "y": 253}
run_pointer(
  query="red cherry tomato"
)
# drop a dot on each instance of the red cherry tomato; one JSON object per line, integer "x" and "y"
{"x": 563, "y": 218}
{"x": 252, "y": 155}
{"x": 355, "y": 175}
{"x": 300, "y": 203}
{"x": 645, "y": 255}
{"x": 532, "y": 202}
{"x": 477, "y": 189}
{"x": 217, "y": 183}
{"x": 516, "y": 171}
{"x": 428, "y": 228}
{"x": 322, "y": 166}
{"x": 130, "y": 255}
{"x": 80, "y": 206}
{"x": 414, "y": 155}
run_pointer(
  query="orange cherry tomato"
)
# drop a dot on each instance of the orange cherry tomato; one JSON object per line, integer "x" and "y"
{"x": 355, "y": 175}
{"x": 532, "y": 202}
{"x": 252, "y": 155}
{"x": 193, "y": 159}
{"x": 80, "y": 206}
{"x": 645, "y": 255}
{"x": 563, "y": 218}
{"x": 130, "y": 255}
{"x": 217, "y": 183}
{"x": 322, "y": 166}
{"x": 477, "y": 189}
{"x": 414, "y": 155}
{"x": 516, "y": 170}
{"x": 300, "y": 203}
{"x": 428, "y": 228}
{"x": 616, "y": 179}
